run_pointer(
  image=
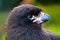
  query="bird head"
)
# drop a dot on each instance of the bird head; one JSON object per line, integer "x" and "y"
{"x": 40, "y": 18}
{"x": 36, "y": 15}
{"x": 27, "y": 15}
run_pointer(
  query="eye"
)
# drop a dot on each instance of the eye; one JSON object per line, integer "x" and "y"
{"x": 31, "y": 17}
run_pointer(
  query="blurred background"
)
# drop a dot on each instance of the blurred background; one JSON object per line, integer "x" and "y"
{"x": 52, "y": 7}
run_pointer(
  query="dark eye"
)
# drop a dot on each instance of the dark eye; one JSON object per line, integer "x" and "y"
{"x": 29, "y": 16}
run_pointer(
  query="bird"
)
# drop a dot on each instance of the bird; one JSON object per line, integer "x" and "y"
{"x": 25, "y": 23}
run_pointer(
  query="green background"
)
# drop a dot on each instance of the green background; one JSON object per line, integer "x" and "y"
{"x": 52, "y": 7}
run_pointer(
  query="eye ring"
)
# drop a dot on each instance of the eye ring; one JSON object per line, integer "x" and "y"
{"x": 31, "y": 17}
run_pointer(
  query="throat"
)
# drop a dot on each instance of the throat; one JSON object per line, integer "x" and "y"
{"x": 34, "y": 27}
{"x": 37, "y": 27}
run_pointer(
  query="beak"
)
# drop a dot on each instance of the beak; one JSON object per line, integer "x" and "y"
{"x": 43, "y": 17}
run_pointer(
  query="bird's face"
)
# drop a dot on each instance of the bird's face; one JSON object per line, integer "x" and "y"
{"x": 40, "y": 18}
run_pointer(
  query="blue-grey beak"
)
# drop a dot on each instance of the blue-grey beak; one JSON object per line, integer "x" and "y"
{"x": 45, "y": 18}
